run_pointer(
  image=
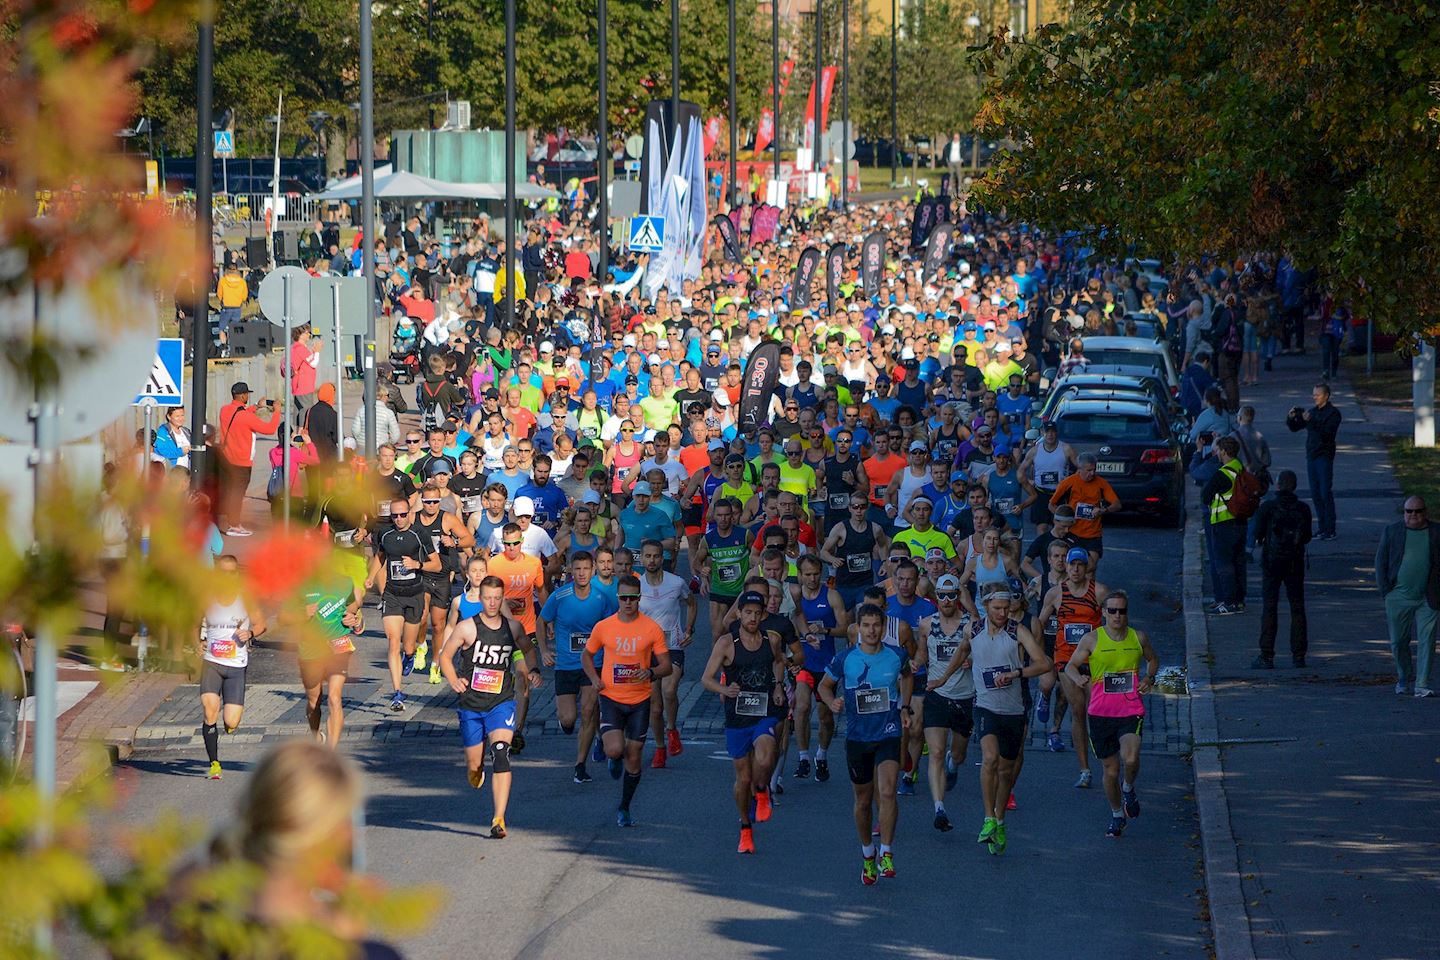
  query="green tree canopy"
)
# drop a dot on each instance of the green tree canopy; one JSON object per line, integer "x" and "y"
{"x": 1187, "y": 127}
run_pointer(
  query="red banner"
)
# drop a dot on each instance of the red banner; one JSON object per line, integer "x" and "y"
{"x": 712, "y": 130}
{"x": 765, "y": 131}
{"x": 827, "y": 86}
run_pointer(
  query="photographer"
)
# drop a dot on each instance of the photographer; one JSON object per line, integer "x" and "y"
{"x": 239, "y": 425}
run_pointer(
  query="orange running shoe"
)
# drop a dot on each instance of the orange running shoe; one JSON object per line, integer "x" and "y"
{"x": 673, "y": 744}
{"x": 762, "y": 806}
{"x": 747, "y": 840}
{"x": 658, "y": 763}
{"x": 1010, "y": 803}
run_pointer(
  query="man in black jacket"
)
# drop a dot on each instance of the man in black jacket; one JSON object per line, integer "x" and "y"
{"x": 1322, "y": 422}
{"x": 1282, "y": 528}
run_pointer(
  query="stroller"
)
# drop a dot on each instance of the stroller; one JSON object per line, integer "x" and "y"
{"x": 405, "y": 351}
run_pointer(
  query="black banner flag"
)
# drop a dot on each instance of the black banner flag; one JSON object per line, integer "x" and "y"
{"x": 726, "y": 227}
{"x": 923, "y": 223}
{"x": 834, "y": 273}
{"x": 762, "y": 375}
{"x": 938, "y": 249}
{"x": 872, "y": 262}
{"x": 805, "y": 269}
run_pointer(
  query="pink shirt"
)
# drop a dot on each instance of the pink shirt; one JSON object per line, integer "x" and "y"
{"x": 303, "y": 363}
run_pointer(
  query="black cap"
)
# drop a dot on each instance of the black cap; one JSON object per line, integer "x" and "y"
{"x": 750, "y": 597}
{"x": 632, "y": 379}
{"x": 239, "y": 387}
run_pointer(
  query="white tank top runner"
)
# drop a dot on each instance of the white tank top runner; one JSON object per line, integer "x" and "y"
{"x": 222, "y": 621}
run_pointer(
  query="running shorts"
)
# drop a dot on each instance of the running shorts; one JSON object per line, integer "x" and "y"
{"x": 227, "y": 681}
{"x": 1008, "y": 729}
{"x": 949, "y": 714}
{"x": 863, "y": 756}
{"x": 1105, "y": 733}
{"x": 632, "y": 719}
{"x": 739, "y": 741}
{"x": 476, "y": 727}
{"x": 411, "y": 606}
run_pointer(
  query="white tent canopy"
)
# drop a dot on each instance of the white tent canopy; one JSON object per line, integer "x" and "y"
{"x": 393, "y": 185}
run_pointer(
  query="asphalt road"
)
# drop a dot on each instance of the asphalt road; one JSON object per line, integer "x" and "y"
{"x": 569, "y": 882}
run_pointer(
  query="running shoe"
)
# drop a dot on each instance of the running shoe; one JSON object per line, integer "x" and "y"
{"x": 477, "y": 777}
{"x": 869, "y": 872}
{"x": 1298, "y": 662}
{"x": 673, "y": 744}
{"x": 762, "y": 806}
{"x": 906, "y": 786}
{"x": 623, "y": 819}
{"x": 1227, "y": 609}
{"x": 802, "y": 771}
{"x": 239, "y": 532}
{"x": 1116, "y": 828}
{"x": 778, "y": 789}
{"x": 517, "y": 743}
{"x": 497, "y": 829}
{"x": 997, "y": 845}
{"x": 1422, "y": 693}
{"x": 397, "y": 702}
{"x": 747, "y": 840}
{"x": 987, "y": 831}
{"x": 1010, "y": 803}
{"x": 214, "y": 773}
{"x": 1262, "y": 662}
{"x": 421, "y": 653}
{"x": 1054, "y": 744}
{"x": 952, "y": 775}
{"x": 320, "y": 737}
{"x": 597, "y": 752}
{"x": 822, "y": 770}
{"x": 657, "y": 762}
{"x": 407, "y": 664}
{"x": 581, "y": 774}
{"x": 1132, "y": 803}
{"x": 1402, "y": 689}
{"x": 887, "y": 866}
{"x": 942, "y": 822}
{"x": 1083, "y": 781}
{"x": 435, "y": 676}
{"x": 1042, "y": 711}
{"x": 615, "y": 769}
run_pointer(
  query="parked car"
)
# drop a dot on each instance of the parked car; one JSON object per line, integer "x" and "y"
{"x": 1133, "y": 352}
{"x": 1136, "y": 449}
{"x": 1118, "y": 386}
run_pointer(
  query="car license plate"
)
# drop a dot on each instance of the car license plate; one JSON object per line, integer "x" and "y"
{"x": 1110, "y": 466}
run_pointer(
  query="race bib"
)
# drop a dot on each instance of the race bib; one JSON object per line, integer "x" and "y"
{"x": 1052, "y": 625}
{"x": 342, "y": 645}
{"x": 872, "y": 700}
{"x": 346, "y": 538}
{"x": 839, "y": 501}
{"x": 858, "y": 563}
{"x": 729, "y": 574}
{"x": 384, "y": 508}
{"x": 472, "y": 504}
{"x": 398, "y": 571}
{"x": 991, "y": 676}
{"x": 436, "y": 545}
{"x": 578, "y": 641}
{"x": 1049, "y": 478}
{"x": 750, "y": 704}
{"x": 945, "y": 652}
{"x": 487, "y": 681}
{"x": 1075, "y": 632}
{"x": 1118, "y": 683}
{"x": 628, "y": 673}
{"x": 517, "y": 606}
{"x": 222, "y": 649}
{"x": 1005, "y": 504}
{"x": 622, "y": 473}
{"x": 1085, "y": 511}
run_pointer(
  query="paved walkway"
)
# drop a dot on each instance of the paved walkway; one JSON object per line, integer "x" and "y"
{"x": 1330, "y": 778}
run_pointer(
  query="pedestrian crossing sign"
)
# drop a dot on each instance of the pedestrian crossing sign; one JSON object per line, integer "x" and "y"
{"x": 647, "y": 234}
{"x": 162, "y": 386}
{"x": 224, "y": 144}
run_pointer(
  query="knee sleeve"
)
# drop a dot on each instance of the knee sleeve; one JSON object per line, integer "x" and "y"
{"x": 500, "y": 757}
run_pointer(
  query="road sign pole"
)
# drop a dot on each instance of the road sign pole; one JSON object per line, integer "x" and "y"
{"x": 339, "y": 374}
{"x": 367, "y": 222}
{"x": 287, "y": 428}
{"x": 204, "y": 174}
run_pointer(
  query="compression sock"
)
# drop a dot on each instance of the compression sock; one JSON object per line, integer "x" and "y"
{"x": 939, "y": 807}
{"x": 868, "y": 851}
{"x": 627, "y": 789}
{"x": 212, "y": 741}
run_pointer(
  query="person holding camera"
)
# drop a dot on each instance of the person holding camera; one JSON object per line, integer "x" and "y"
{"x": 1321, "y": 423}
{"x": 240, "y": 423}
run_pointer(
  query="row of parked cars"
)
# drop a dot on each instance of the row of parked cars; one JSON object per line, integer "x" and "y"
{"x": 1123, "y": 407}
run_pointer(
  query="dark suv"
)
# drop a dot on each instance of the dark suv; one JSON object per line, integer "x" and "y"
{"x": 1134, "y": 447}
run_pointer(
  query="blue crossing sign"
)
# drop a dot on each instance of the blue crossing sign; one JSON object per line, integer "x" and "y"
{"x": 162, "y": 387}
{"x": 647, "y": 234}
{"x": 224, "y": 144}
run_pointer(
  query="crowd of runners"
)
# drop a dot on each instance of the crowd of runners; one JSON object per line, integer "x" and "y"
{"x": 902, "y": 553}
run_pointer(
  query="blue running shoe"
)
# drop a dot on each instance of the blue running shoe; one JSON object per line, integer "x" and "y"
{"x": 906, "y": 787}
{"x": 1132, "y": 803}
{"x": 397, "y": 702}
{"x": 407, "y": 664}
{"x": 623, "y": 819}
{"x": 597, "y": 752}
{"x": 1054, "y": 744}
{"x": 1042, "y": 711}
{"x": 616, "y": 768}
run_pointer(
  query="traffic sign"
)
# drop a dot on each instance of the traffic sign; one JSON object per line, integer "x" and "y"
{"x": 224, "y": 144}
{"x": 162, "y": 387}
{"x": 272, "y": 296}
{"x": 635, "y": 145}
{"x": 647, "y": 234}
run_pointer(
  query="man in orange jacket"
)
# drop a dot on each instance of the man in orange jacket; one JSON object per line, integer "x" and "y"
{"x": 239, "y": 423}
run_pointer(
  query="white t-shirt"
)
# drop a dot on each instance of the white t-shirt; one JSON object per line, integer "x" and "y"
{"x": 665, "y": 604}
{"x": 535, "y": 542}
{"x": 222, "y": 621}
{"x": 675, "y": 473}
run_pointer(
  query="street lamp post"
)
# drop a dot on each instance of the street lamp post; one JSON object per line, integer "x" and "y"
{"x": 844, "y": 102}
{"x": 317, "y": 119}
{"x": 602, "y": 141}
{"x": 894, "y": 94}
{"x": 734, "y": 140}
{"x": 510, "y": 239}
{"x": 204, "y": 192}
{"x": 973, "y": 22}
{"x": 675, "y": 68}
{"x": 815, "y": 140}
{"x": 775, "y": 88}
{"x": 367, "y": 218}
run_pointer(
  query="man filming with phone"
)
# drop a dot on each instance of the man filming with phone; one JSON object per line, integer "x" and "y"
{"x": 239, "y": 423}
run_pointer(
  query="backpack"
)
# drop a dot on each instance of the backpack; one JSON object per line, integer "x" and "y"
{"x": 275, "y": 488}
{"x": 1288, "y": 525}
{"x": 1245, "y": 494}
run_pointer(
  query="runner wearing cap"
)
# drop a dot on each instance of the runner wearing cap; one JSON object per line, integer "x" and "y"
{"x": 948, "y": 715}
{"x": 920, "y": 536}
{"x": 1075, "y": 603}
{"x": 534, "y": 541}
{"x": 905, "y": 484}
{"x": 747, "y": 670}
{"x": 1045, "y": 464}
{"x": 642, "y": 521}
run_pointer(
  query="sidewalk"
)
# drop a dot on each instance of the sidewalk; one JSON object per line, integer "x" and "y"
{"x": 1330, "y": 778}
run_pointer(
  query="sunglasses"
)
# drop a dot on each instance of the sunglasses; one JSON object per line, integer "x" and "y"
{"x": 512, "y": 543}
{"x": 629, "y": 596}
{"x": 413, "y": 440}
{"x": 399, "y": 515}
{"x": 1408, "y": 510}
{"x": 947, "y": 596}
{"x": 842, "y": 439}
{"x": 626, "y": 430}
{"x": 429, "y": 501}
{"x": 1118, "y": 611}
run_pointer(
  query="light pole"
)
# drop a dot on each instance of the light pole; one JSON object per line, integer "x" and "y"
{"x": 602, "y": 141}
{"x": 317, "y": 119}
{"x": 973, "y": 22}
{"x": 894, "y": 95}
{"x": 844, "y": 102}
{"x": 775, "y": 88}
{"x": 675, "y": 68}
{"x": 204, "y": 193}
{"x": 734, "y": 142}
{"x": 367, "y": 218}
{"x": 815, "y": 140}
{"x": 510, "y": 238}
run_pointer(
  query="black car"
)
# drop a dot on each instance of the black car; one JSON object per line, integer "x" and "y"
{"x": 1084, "y": 383}
{"x": 1135, "y": 449}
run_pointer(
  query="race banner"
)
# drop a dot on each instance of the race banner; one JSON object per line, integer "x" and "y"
{"x": 765, "y": 131}
{"x": 762, "y": 375}
{"x": 937, "y": 249}
{"x": 923, "y": 223}
{"x": 763, "y": 223}
{"x": 726, "y": 228}
{"x": 872, "y": 262}
{"x": 805, "y": 269}
{"x": 834, "y": 273}
{"x": 827, "y": 86}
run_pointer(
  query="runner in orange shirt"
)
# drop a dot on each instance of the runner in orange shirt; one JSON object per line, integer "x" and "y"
{"x": 524, "y": 578}
{"x": 1091, "y": 497}
{"x": 880, "y": 469}
{"x": 631, "y": 642}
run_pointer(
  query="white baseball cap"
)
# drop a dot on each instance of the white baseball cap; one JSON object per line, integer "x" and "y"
{"x": 524, "y": 507}
{"x": 722, "y": 398}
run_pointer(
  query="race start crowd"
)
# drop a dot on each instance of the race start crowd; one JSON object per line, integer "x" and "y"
{"x": 901, "y": 545}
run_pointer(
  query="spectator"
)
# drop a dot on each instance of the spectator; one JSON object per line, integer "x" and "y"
{"x": 1407, "y": 571}
{"x": 239, "y": 424}
{"x": 1195, "y": 382}
{"x": 1322, "y": 421}
{"x": 1226, "y": 533}
{"x": 1282, "y": 528}
{"x": 322, "y": 423}
{"x": 304, "y": 362}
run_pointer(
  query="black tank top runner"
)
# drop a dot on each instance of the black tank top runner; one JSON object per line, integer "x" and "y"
{"x": 430, "y": 534}
{"x": 855, "y": 550}
{"x": 486, "y": 666}
{"x": 837, "y": 489}
{"x": 395, "y": 544}
{"x": 754, "y": 670}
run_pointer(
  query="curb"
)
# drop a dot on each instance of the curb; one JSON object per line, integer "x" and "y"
{"x": 1229, "y": 922}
